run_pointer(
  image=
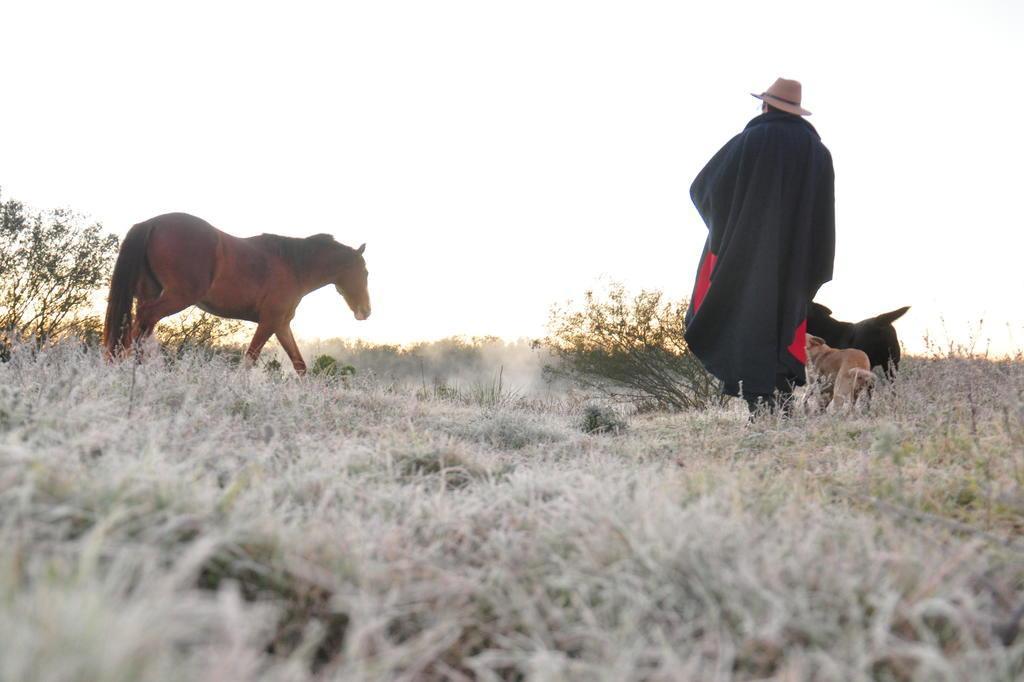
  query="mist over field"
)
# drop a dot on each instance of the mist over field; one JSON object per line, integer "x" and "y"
{"x": 191, "y": 520}
{"x": 456, "y": 362}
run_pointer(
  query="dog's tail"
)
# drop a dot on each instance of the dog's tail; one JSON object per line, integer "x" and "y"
{"x": 117, "y": 325}
{"x": 862, "y": 377}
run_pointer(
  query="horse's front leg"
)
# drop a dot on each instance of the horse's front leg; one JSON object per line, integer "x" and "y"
{"x": 263, "y": 331}
{"x": 284, "y": 335}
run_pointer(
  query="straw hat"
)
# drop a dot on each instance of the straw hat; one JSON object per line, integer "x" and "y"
{"x": 784, "y": 94}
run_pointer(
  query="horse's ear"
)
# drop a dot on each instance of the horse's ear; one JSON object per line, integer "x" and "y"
{"x": 822, "y": 308}
{"x": 361, "y": 249}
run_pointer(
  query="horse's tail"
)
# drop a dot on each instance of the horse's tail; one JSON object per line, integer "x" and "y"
{"x": 117, "y": 326}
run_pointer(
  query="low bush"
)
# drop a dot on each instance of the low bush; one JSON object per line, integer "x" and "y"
{"x": 329, "y": 367}
{"x": 630, "y": 348}
{"x": 601, "y": 419}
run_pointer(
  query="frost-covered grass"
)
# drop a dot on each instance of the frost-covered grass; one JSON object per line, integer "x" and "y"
{"x": 240, "y": 525}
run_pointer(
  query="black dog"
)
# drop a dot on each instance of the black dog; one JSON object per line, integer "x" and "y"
{"x": 875, "y": 335}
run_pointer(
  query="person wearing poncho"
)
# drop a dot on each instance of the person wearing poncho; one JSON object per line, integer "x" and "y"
{"x": 767, "y": 198}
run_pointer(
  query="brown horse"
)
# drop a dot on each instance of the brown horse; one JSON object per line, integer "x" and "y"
{"x": 176, "y": 260}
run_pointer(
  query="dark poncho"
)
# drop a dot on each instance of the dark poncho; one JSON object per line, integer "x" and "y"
{"x": 767, "y": 198}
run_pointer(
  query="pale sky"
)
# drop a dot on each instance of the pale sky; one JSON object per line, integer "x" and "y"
{"x": 498, "y": 158}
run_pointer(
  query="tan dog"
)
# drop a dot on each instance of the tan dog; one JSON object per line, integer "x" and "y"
{"x": 841, "y": 374}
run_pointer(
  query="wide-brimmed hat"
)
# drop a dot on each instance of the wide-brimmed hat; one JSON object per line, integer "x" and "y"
{"x": 784, "y": 94}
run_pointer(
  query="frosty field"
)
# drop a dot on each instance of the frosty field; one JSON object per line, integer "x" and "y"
{"x": 195, "y": 521}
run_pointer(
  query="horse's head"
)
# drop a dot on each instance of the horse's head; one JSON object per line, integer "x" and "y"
{"x": 352, "y": 284}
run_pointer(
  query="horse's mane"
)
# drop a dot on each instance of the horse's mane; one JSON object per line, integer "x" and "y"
{"x": 298, "y": 251}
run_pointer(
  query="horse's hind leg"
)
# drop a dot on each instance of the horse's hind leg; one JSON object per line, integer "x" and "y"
{"x": 146, "y": 289}
{"x": 151, "y": 312}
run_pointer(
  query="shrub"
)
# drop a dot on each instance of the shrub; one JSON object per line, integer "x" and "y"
{"x": 601, "y": 419}
{"x": 630, "y": 348}
{"x": 327, "y": 366}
